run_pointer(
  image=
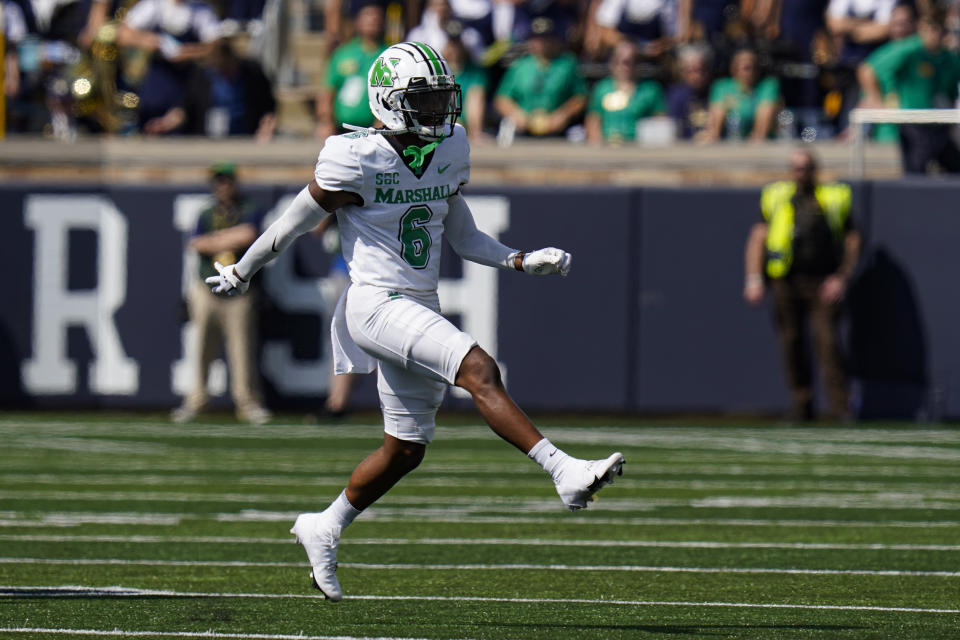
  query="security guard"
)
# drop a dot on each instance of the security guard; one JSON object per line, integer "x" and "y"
{"x": 805, "y": 249}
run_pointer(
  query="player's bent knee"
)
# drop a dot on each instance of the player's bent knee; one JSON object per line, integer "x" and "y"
{"x": 479, "y": 372}
{"x": 405, "y": 456}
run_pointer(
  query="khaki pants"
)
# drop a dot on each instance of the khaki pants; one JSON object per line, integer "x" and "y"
{"x": 229, "y": 320}
{"x": 797, "y": 307}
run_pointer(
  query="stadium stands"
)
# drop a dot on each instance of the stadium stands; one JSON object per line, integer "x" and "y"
{"x": 73, "y": 79}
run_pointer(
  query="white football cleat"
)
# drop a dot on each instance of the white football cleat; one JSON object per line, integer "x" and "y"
{"x": 580, "y": 479}
{"x": 320, "y": 539}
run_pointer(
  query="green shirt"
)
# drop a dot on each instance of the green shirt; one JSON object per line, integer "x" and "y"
{"x": 741, "y": 105}
{"x": 470, "y": 77}
{"x": 619, "y": 110}
{"x": 919, "y": 78}
{"x": 347, "y": 78}
{"x": 542, "y": 87}
{"x": 215, "y": 218}
{"x": 885, "y": 132}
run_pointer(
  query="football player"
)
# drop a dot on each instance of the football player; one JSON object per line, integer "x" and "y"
{"x": 396, "y": 192}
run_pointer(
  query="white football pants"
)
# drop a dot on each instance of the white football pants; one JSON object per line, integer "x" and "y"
{"x": 418, "y": 352}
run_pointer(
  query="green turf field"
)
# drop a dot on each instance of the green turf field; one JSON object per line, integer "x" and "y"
{"x": 128, "y": 526}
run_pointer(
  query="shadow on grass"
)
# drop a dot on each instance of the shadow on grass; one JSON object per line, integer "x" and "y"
{"x": 682, "y": 630}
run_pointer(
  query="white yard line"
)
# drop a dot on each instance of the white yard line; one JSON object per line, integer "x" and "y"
{"x": 466, "y": 504}
{"x": 65, "y": 591}
{"x": 658, "y": 544}
{"x": 532, "y": 477}
{"x": 160, "y": 427}
{"x": 129, "y": 633}
{"x": 296, "y": 473}
{"x": 867, "y": 442}
{"x": 387, "y": 515}
{"x": 480, "y": 567}
{"x": 382, "y": 514}
{"x": 532, "y": 542}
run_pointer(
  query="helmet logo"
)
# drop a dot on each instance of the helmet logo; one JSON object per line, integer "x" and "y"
{"x": 381, "y": 75}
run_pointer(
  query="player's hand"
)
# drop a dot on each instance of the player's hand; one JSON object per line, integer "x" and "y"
{"x": 544, "y": 262}
{"x": 228, "y": 283}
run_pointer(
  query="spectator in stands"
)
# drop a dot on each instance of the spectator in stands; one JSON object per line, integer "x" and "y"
{"x": 177, "y": 34}
{"x": 478, "y": 16}
{"x": 743, "y": 105}
{"x": 230, "y": 96}
{"x": 688, "y": 101}
{"x": 649, "y": 24}
{"x": 14, "y": 31}
{"x": 513, "y": 20}
{"x": 224, "y": 230}
{"x": 805, "y": 248}
{"x": 339, "y": 20}
{"x": 56, "y": 20}
{"x": 108, "y": 105}
{"x": 437, "y": 26}
{"x": 244, "y": 12}
{"x": 99, "y": 13}
{"x": 343, "y": 96}
{"x": 903, "y": 24}
{"x": 858, "y": 27}
{"x": 473, "y": 85}
{"x": 543, "y": 92}
{"x": 917, "y": 73}
{"x": 796, "y": 33}
{"x": 619, "y": 102}
{"x": 57, "y": 34}
{"x": 718, "y": 22}
{"x": 793, "y": 24}
{"x": 952, "y": 24}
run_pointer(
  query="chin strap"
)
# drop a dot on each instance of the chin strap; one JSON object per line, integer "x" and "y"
{"x": 419, "y": 153}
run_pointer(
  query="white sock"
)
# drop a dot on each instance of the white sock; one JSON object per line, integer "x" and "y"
{"x": 342, "y": 512}
{"x": 549, "y": 457}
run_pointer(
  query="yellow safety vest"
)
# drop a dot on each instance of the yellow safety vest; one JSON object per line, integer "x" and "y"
{"x": 776, "y": 203}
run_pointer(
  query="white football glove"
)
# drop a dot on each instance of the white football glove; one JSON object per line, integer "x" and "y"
{"x": 544, "y": 262}
{"x": 227, "y": 283}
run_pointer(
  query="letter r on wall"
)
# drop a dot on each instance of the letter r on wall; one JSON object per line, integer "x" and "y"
{"x": 56, "y": 307}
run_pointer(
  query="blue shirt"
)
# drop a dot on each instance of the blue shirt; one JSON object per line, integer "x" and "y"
{"x": 227, "y": 93}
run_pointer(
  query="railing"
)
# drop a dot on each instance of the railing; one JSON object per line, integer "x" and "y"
{"x": 861, "y": 117}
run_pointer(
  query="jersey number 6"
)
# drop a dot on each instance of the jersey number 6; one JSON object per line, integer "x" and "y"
{"x": 415, "y": 240}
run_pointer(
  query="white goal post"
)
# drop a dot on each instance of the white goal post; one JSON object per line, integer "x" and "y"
{"x": 861, "y": 117}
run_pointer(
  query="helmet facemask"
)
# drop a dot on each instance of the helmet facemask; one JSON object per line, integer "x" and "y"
{"x": 429, "y": 106}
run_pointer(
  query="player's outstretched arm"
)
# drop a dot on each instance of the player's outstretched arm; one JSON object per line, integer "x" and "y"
{"x": 472, "y": 244}
{"x": 303, "y": 214}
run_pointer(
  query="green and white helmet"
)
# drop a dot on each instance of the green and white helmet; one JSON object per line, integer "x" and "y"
{"x": 411, "y": 90}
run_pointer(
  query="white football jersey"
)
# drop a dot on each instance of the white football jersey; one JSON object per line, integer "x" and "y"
{"x": 394, "y": 239}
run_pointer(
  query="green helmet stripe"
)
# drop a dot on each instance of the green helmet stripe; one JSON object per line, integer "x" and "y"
{"x": 431, "y": 57}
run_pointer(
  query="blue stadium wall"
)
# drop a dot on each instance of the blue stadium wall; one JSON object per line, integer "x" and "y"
{"x": 650, "y": 319}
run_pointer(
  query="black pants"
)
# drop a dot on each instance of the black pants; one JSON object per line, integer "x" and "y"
{"x": 798, "y": 308}
{"x": 921, "y": 143}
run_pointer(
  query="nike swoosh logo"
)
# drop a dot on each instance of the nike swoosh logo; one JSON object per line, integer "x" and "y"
{"x": 443, "y": 168}
{"x": 551, "y": 453}
{"x": 273, "y": 245}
